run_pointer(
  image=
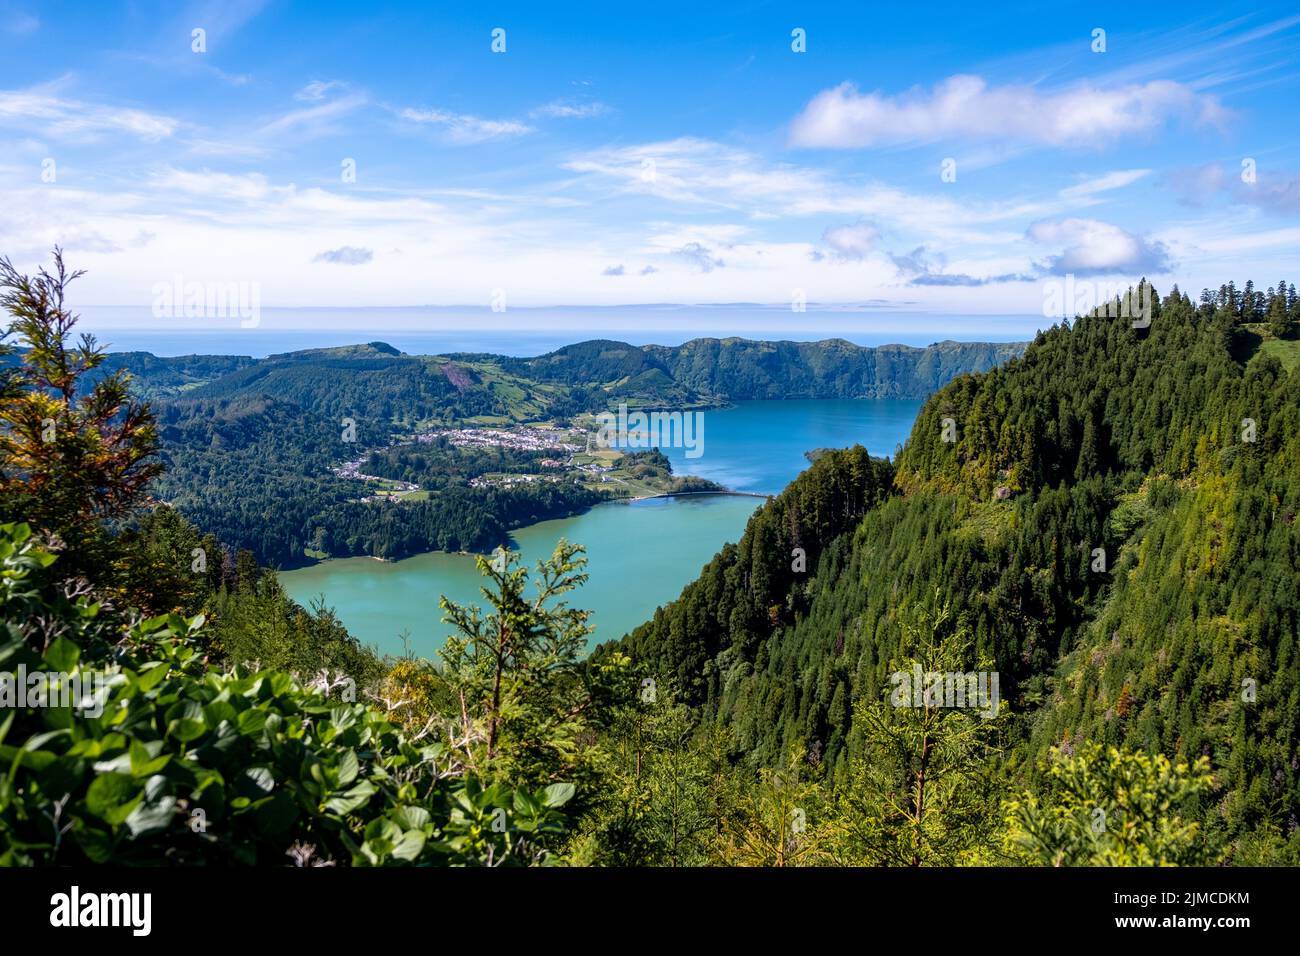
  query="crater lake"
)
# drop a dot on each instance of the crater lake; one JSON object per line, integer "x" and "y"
{"x": 640, "y": 553}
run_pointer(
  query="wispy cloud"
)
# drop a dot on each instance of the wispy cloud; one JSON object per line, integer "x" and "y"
{"x": 1104, "y": 183}
{"x": 463, "y": 129}
{"x": 210, "y": 185}
{"x": 346, "y": 256}
{"x": 562, "y": 109}
{"x": 221, "y": 18}
{"x": 1269, "y": 189}
{"x": 921, "y": 267}
{"x": 311, "y": 120}
{"x": 17, "y": 22}
{"x": 317, "y": 90}
{"x": 966, "y": 107}
{"x": 59, "y": 117}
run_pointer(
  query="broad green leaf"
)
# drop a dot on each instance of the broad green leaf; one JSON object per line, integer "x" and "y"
{"x": 409, "y": 846}
{"x": 348, "y": 768}
{"x": 113, "y": 796}
{"x": 186, "y": 729}
{"x": 351, "y": 799}
{"x": 557, "y": 794}
{"x": 62, "y": 654}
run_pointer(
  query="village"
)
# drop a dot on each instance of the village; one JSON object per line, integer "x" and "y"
{"x": 576, "y": 454}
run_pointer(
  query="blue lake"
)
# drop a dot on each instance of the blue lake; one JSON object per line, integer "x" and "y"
{"x": 641, "y": 554}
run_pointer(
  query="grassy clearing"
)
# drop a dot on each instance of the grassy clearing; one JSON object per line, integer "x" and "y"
{"x": 1286, "y": 351}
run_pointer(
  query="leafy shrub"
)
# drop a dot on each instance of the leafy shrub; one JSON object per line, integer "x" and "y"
{"x": 171, "y": 761}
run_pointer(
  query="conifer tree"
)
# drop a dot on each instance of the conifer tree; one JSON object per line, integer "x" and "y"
{"x": 919, "y": 794}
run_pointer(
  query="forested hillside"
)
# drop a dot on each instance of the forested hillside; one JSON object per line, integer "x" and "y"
{"x": 250, "y": 447}
{"x": 1109, "y": 520}
{"x": 736, "y": 369}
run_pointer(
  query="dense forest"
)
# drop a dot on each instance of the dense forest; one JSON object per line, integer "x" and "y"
{"x": 1110, "y": 523}
{"x": 737, "y": 369}
{"x": 1105, "y": 525}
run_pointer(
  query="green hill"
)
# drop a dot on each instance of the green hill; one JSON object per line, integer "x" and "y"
{"x": 250, "y": 446}
{"x": 1113, "y": 525}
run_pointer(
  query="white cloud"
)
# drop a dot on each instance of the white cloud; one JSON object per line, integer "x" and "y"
{"x": 17, "y": 22}
{"x": 345, "y": 256}
{"x": 316, "y": 90}
{"x": 65, "y": 118}
{"x": 700, "y": 256}
{"x": 1100, "y": 184}
{"x": 1093, "y": 247}
{"x": 967, "y": 107}
{"x": 463, "y": 129}
{"x": 1273, "y": 190}
{"x": 559, "y": 109}
{"x": 311, "y": 120}
{"x": 215, "y": 186}
{"x": 853, "y": 241}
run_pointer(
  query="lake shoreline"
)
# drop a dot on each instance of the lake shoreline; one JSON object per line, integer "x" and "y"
{"x": 724, "y": 492}
{"x": 687, "y": 494}
{"x": 639, "y": 556}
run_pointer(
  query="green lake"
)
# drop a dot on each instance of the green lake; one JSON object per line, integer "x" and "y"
{"x": 641, "y": 554}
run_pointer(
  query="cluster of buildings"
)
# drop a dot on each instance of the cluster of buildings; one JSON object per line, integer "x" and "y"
{"x": 505, "y": 481}
{"x": 523, "y": 439}
{"x": 351, "y": 470}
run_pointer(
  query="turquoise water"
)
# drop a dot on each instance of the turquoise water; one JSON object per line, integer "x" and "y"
{"x": 641, "y": 554}
{"x": 760, "y": 446}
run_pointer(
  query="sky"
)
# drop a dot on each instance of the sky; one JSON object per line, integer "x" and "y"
{"x": 957, "y": 159}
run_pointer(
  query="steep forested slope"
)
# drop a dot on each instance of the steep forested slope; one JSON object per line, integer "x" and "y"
{"x": 737, "y": 369}
{"x": 1114, "y": 525}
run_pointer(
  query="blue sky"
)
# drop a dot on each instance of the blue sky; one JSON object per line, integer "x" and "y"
{"x": 679, "y": 153}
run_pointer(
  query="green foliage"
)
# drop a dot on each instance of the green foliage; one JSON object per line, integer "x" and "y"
{"x": 69, "y": 457}
{"x": 1107, "y": 807}
{"x": 919, "y": 792}
{"x": 167, "y": 760}
{"x": 249, "y": 445}
{"x": 1115, "y": 527}
{"x": 778, "y": 819}
{"x": 516, "y": 671}
{"x": 663, "y": 791}
{"x": 748, "y": 591}
{"x": 258, "y": 473}
{"x": 739, "y": 369}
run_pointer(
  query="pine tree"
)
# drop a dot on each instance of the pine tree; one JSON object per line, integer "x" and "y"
{"x": 918, "y": 793}
{"x": 73, "y": 453}
{"x": 516, "y": 673}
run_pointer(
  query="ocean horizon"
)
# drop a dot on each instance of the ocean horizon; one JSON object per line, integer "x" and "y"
{"x": 436, "y": 330}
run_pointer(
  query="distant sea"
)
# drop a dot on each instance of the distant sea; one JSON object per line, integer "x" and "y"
{"x": 526, "y": 332}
